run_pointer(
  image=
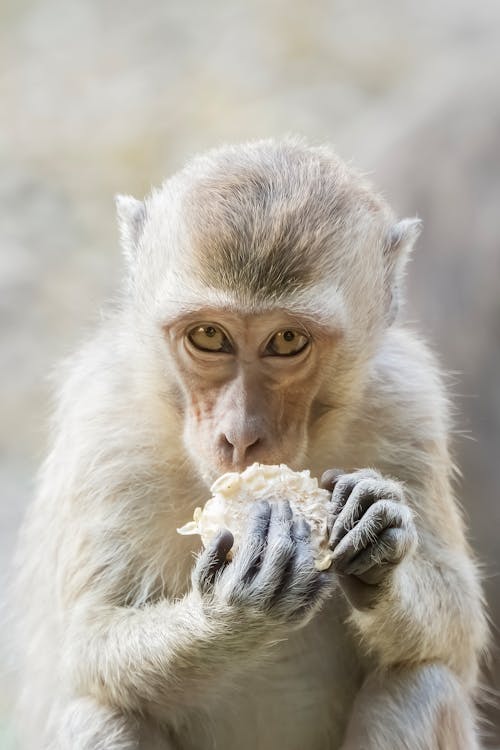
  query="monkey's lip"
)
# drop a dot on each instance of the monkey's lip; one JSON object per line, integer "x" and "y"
{"x": 233, "y": 495}
{"x": 213, "y": 473}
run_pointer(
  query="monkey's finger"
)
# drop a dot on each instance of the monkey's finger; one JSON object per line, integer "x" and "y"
{"x": 329, "y": 478}
{"x": 388, "y": 550}
{"x": 280, "y": 524}
{"x": 213, "y": 559}
{"x": 355, "y": 541}
{"x": 346, "y": 483}
{"x": 365, "y": 494}
{"x": 361, "y": 497}
{"x": 368, "y": 571}
{"x": 393, "y": 544}
{"x": 372, "y": 532}
{"x": 304, "y": 585}
{"x": 299, "y": 581}
{"x": 278, "y": 553}
{"x": 342, "y": 490}
{"x": 249, "y": 558}
{"x": 303, "y": 580}
{"x": 281, "y": 518}
{"x": 300, "y": 531}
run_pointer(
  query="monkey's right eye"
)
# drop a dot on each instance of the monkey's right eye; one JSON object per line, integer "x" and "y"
{"x": 209, "y": 338}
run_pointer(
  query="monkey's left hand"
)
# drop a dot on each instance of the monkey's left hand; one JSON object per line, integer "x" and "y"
{"x": 371, "y": 531}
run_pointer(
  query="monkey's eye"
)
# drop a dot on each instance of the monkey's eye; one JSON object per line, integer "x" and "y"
{"x": 209, "y": 338}
{"x": 287, "y": 343}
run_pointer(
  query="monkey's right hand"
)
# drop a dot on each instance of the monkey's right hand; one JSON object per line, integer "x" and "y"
{"x": 272, "y": 575}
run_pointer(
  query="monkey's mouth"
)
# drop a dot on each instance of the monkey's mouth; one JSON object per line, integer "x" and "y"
{"x": 210, "y": 471}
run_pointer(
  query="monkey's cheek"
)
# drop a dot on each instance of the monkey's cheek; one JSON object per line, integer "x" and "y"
{"x": 198, "y": 448}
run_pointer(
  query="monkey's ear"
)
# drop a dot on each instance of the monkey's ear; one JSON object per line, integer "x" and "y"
{"x": 403, "y": 236}
{"x": 131, "y": 214}
{"x": 400, "y": 243}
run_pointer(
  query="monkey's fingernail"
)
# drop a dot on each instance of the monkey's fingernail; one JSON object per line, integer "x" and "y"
{"x": 221, "y": 546}
{"x": 224, "y": 541}
{"x": 337, "y": 535}
{"x": 342, "y": 556}
{"x": 330, "y": 478}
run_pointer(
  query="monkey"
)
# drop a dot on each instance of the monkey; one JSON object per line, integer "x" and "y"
{"x": 258, "y": 320}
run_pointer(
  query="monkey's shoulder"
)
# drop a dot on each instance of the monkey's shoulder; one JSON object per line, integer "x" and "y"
{"x": 403, "y": 420}
{"x": 108, "y": 380}
{"x": 405, "y": 371}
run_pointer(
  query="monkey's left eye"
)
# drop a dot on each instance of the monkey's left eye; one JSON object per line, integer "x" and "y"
{"x": 287, "y": 343}
{"x": 209, "y": 338}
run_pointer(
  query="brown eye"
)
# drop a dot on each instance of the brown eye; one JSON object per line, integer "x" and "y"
{"x": 286, "y": 343}
{"x": 209, "y": 338}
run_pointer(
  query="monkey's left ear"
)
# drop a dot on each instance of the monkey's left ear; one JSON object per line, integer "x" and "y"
{"x": 131, "y": 215}
{"x": 400, "y": 243}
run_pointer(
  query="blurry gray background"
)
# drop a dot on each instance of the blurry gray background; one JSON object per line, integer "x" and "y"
{"x": 99, "y": 97}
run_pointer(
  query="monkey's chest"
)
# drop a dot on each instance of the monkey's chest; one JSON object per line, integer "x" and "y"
{"x": 298, "y": 697}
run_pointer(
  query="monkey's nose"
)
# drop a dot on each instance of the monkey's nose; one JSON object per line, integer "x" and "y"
{"x": 238, "y": 447}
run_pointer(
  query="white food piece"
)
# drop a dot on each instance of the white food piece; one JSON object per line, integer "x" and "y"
{"x": 234, "y": 494}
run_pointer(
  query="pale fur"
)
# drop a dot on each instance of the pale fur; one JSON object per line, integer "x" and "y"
{"x": 119, "y": 650}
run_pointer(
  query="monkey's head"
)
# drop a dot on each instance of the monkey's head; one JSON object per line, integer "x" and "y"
{"x": 264, "y": 276}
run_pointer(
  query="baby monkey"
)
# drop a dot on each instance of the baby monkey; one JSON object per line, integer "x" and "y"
{"x": 258, "y": 321}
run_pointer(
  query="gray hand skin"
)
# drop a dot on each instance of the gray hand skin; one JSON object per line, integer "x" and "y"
{"x": 371, "y": 531}
{"x": 272, "y": 575}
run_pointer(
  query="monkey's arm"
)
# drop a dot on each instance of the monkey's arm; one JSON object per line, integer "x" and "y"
{"x": 172, "y": 655}
{"x": 168, "y": 656}
{"x": 415, "y": 587}
{"x": 160, "y": 654}
{"x": 428, "y": 607}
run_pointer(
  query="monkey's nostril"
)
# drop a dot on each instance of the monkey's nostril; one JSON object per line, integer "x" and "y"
{"x": 254, "y": 444}
{"x": 238, "y": 447}
{"x": 226, "y": 444}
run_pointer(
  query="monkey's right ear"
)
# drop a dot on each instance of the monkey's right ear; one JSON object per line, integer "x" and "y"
{"x": 131, "y": 215}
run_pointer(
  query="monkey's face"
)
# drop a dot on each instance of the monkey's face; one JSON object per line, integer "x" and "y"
{"x": 249, "y": 382}
{"x": 287, "y": 267}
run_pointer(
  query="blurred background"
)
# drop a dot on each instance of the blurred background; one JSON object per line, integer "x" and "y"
{"x": 104, "y": 97}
